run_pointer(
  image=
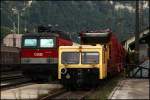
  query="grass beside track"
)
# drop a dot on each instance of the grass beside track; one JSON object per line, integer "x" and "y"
{"x": 105, "y": 88}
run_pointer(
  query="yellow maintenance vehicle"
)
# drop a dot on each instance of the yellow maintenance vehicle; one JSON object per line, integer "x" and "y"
{"x": 82, "y": 65}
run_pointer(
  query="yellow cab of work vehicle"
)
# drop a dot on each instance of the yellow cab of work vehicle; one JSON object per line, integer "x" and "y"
{"x": 82, "y": 64}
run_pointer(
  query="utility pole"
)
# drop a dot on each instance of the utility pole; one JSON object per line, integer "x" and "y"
{"x": 137, "y": 32}
{"x": 14, "y": 31}
{"x": 141, "y": 15}
{"x": 25, "y": 21}
{"x": 25, "y": 26}
{"x": 120, "y": 26}
{"x": 18, "y": 21}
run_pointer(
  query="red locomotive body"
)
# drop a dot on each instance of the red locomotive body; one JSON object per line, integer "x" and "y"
{"x": 39, "y": 54}
{"x": 115, "y": 63}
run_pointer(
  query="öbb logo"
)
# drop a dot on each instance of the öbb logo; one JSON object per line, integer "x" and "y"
{"x": 38, "y": 54}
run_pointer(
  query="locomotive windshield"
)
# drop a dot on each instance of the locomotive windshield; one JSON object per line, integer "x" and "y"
{"x": 46, "y": 43}
{"x": 74, "y": 57}
{"x": 36, "y": 42}
{"x": 70, "y": 57}
{"x": 90, "y": 57}
{"x": 30, "y": 42}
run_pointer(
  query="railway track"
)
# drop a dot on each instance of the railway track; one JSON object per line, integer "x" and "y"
{"x": 10, "y": 75}
{"x": 13, "y": 80}
{"x": 67, "y": 95}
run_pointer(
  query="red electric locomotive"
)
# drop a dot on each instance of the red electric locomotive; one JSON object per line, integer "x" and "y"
{"x": 39, "y": 53}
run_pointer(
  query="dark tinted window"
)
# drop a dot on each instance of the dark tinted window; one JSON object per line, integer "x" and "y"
{"x": 70, "y": 58}
{"x": 90, "y": 58}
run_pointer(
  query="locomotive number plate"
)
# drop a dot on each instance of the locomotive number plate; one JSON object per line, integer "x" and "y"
{"x": 38, "y": 54}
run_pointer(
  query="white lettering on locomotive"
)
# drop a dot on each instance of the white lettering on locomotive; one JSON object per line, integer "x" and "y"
{"x": 38, "y": 54}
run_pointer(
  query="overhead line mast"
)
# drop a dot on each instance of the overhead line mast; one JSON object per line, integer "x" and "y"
{"x": 137, "y": 32}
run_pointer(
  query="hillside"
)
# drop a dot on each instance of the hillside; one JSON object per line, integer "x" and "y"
{"x": 72, "y": 16}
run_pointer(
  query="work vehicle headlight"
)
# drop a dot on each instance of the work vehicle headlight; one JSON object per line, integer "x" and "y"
{"x": 63, "y": 71}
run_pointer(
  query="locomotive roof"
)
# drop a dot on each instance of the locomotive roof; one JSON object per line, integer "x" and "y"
{"x": 96, "y": 36}
{"x": 38, "y": 34}
{"x": 54, "y": 34}
{"x": 96, "y": 31}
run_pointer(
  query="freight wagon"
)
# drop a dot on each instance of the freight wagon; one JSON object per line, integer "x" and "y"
{"x": 10, "y": 58}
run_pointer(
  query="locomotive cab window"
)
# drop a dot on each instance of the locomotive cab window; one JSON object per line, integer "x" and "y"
{"x": 30, "y": 42}
{"x": 47, "y": 43}
{"x": 90, "y": 57}
{"x": 70, "y": 58}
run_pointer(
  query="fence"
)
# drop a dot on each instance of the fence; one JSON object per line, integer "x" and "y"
{"x": 137, "y": 71}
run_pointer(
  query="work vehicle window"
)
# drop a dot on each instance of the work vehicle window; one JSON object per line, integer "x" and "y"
{"x": 30, "y": 42}
{"x": 90, "y": 58}
{"x": 45, "y": 43}
{"x": 70, "y": 58}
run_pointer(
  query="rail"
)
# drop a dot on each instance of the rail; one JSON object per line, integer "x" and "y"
{"x": 13, "y": 79}
{"x": 64, "y": 94}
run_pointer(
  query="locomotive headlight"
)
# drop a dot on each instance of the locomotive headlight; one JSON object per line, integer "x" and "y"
{"x": 63, "y": 71}
{"x": 68, "y": 76}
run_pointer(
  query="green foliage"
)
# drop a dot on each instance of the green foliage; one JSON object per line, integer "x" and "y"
{"x": 72, "y": 16}
{"x": 4, "y": 31}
